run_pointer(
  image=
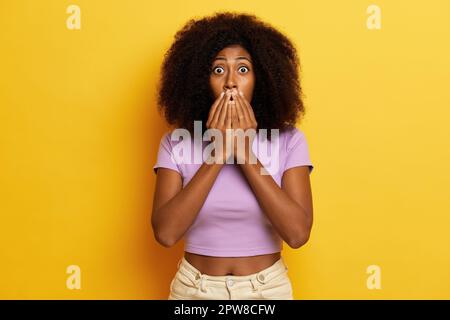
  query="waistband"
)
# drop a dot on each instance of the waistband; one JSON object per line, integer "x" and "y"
{"x": 262, "y": 276}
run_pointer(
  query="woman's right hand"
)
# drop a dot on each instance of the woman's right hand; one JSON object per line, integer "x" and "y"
{"x": 220, "y": 118}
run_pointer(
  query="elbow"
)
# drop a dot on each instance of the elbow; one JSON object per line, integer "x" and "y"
{"x": 299, "y": 240}
{"x": 300, "y": 235}
{"x": 161, "y": 237}
{"x": 164, "y": 241}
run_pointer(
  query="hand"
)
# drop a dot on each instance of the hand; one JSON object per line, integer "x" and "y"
{"x": 243, "y": 118}
{"x": 220, "y": 118}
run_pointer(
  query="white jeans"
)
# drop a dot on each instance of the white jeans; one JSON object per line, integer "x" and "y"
{"x": 272, "y": 283}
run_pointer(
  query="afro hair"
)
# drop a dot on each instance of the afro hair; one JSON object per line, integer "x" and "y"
{"x": 184, "y": 93}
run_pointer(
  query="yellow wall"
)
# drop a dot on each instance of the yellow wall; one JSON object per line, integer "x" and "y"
{"x": 79, "y": 135}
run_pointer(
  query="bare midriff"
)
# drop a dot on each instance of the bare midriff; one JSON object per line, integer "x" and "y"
{"x": 239, "y": 266}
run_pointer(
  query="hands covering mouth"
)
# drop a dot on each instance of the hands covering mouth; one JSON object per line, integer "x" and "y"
{"x": 231, "y": 90}
{"x": 235, "y": 114}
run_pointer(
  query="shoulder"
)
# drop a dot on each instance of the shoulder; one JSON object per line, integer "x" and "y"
{"x": 170, "y": 138}
{"x": 293, "y": 137}
{"x": 165, "y": 142}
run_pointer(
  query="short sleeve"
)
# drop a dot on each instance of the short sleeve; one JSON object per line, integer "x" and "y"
{"x": 297, "y": 151}
{"x": 165, "y": 157}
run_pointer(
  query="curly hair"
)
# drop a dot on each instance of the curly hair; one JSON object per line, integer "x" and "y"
{"x": 184, "y": 93}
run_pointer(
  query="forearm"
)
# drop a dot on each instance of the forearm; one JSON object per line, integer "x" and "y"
{"x": 179, "y": 213}
{"x": 287, "y": 216}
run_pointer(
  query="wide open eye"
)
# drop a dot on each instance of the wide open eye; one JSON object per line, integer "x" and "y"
{"x": 218, "y": 68}
{"x": 244, "y": 67}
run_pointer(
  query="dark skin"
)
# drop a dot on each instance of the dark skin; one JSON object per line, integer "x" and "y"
{"x": 289, "y": 208}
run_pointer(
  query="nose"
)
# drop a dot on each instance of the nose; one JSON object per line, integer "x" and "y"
{"x": 229, "y": 87}
{"x": 232, "y": 88}
{"x": 230, "y": 83}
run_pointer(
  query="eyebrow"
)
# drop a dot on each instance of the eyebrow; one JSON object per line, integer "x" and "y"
{"x": 238, "y": 58}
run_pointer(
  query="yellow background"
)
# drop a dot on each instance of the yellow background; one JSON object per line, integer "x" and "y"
{"x": 79, "y": 135}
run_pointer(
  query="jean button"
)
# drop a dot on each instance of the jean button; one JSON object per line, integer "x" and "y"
{"x": 261, "y": 277}
{"x": 230, "y": 282}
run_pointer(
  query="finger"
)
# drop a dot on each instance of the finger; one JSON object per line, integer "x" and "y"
{"x": 229, "y": 119}
{"x": 242, "y": 115}
{"x": 223, "y": 112}
{"x": 235, "y": 120}
{"x": 215, "y": 109}
{"x": 248, "y": 107}
{"x": 244, "y": 107}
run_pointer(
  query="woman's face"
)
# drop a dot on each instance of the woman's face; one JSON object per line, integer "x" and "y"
{"x": 232, "y": 68}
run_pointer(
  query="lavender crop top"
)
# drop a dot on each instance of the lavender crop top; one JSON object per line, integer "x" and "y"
{"x": 231, "y": 223}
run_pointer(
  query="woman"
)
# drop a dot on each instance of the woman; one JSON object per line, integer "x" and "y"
{"x": 232, "y": 71}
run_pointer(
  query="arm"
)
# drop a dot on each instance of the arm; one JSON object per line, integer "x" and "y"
{"x": 174, "y": 207}
{"x": 289, "y": 208}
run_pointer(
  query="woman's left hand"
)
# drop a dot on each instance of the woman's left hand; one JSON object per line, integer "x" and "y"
{"x": 242, "y": 117}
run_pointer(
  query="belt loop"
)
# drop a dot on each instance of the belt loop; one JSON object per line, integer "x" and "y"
{"x": 202, "y": 283}
{"x": 254, "y": 285}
